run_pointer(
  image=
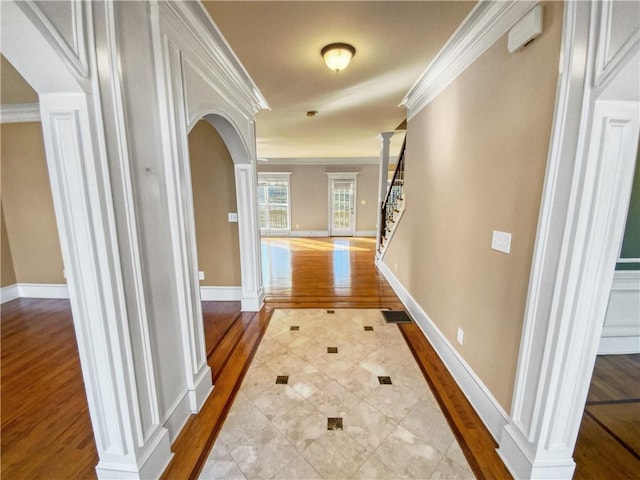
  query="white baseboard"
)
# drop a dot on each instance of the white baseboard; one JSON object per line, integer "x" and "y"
{"x": 621, "y": 329}
{"x": 43, "y": 290}
{"x": 309, "y": 233}
{"x": 481, "y": 399}
{"x": 34, "y": 290}
{"x": 366, "y": 233}
{"x": 220, "y": 294}
{"x": 177, "y": 415}
{"x": 202, "y": 390}
{"x": 619, "y": 345}
{"x": 9, "y": 293}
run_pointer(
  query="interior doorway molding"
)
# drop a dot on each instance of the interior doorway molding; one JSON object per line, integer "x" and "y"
{"x": 196, "y": 87}
{"x": 331, "y": 177}
{"x": 584, "y": 206}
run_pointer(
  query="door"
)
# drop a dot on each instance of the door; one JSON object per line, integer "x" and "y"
{"x": 342, "y": 220}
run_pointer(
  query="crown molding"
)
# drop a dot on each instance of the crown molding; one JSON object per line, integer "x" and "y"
{"x": 484, "y": 25}
{"x": 321, "y": 161}
{"x": 197, "y": 26}
{"x": 20, "y": 113}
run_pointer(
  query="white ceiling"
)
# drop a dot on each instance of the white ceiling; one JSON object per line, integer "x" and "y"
{"x": 279, "y": 44}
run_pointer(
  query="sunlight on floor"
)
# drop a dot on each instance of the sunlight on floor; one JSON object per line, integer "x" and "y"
{"x": 297, "y": 244}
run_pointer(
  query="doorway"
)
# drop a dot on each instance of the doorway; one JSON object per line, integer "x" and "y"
{"x": 342, "y": 194}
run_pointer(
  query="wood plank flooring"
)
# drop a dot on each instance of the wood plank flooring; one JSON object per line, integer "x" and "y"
{"x": 608, "y": 444}
{"x": 46, "y": 430}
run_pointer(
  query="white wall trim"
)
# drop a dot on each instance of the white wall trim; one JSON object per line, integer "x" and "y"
{"x": 20, "y": 113}
{"x": 309, "y": 233}
{"x": 490, "y": 411}
{"x": 621, "y": 330}
{"x": 366, "y": 233}
{"x": 220, "y": 294}
{"x": 177, "y": 415}
{"x": 320, "y": 161}
{"x": 484, "y": 25}
{"x": 8, "y": 293}
{"x": 43, "y": 290}
{"x": 619, "y": 345}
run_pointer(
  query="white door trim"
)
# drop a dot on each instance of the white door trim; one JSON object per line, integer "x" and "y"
{"x": 332, "y": 176}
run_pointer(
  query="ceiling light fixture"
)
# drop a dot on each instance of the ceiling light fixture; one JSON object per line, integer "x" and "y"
{"x": 337, "y": 55}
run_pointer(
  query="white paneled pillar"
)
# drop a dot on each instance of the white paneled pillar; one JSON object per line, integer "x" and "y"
{"x": 249, "y": 233}
{"x": 121, "y": 390}
{"x": 584, "y": 207}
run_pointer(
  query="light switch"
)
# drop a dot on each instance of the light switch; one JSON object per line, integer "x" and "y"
{"x": 201, "y": 275}
{"x": 233, "y": 217}
{"x": 501, "y": 241}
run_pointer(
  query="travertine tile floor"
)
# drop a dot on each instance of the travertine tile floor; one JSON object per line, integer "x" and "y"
{"x": 303, "y": 413}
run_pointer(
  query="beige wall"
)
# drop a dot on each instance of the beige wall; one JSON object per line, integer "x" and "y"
{"x": 28, "y": 205}
{"x": 310, "y": 194}
{"x": 476, "y": 158}
{"x": 214, "y": 196}
{"x": 7, "y": 273}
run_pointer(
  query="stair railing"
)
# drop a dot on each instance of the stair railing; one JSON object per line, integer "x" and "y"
{"x": 394, "y": 196}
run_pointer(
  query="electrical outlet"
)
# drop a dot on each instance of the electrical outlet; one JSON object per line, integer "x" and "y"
{"x": 297, "y": 226}
{"x": 501, "y": 241}
{"x": 460, "y": 337}
{"x": 233, "y": 217}
{"x": 201, "y": 275}
{"x": 395, "y": 267}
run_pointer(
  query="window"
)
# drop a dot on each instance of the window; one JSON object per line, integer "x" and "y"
{"x": 273, "y": 201}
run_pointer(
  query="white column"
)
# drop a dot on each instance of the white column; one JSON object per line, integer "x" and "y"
{"x": 121, "y": 390}
{"x": 583, "y": 213}
{"x": 385, "y": 140}
{"x": 249, "y": 233}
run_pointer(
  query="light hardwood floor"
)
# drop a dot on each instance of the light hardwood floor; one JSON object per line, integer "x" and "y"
{"x": 46, "y": 431}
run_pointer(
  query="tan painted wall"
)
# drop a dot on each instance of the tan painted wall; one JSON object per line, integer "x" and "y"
{"x": 28, "y": 205}
{"x": 7, "y": 273}
{"x": 310, "y": 194}
{"x": 13, "y": 87}
{"x": 214, "y": 196}
{"x": 476, "y": 158}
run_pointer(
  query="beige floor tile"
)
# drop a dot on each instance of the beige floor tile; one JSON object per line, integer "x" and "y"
{"x": 426, "y": 421}
{"x": 335, "y": 455}
{"x": 301, "y": 425}
{"x": 277, "y": 400}
{"x": 359, "y": 381}
{"x": 368, "y": 426}
{"x": 298, "y": 469}
{"x": 308, "y": 381}
{"x": 264, "y": 459}
{"x": 394, "y": 400}
{"x": 408, "y": 457}
{"x": 374, "y": 469}
{"x": 280, "y": 431}
{"x": 221, "y": 470}
{"x": 334, "y": 400}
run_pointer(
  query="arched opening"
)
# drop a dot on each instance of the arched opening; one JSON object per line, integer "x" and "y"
{"x": 216, "y": 229}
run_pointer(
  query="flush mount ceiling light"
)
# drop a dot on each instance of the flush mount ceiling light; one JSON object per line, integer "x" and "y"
{"x": 337, "y": 55}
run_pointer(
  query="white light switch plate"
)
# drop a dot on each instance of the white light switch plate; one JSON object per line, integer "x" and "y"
{"x": 501, "y": 241}
{"x": 233, "y": 217}
{"x": 460, "y": 336}
{"x": 201, "y": 275}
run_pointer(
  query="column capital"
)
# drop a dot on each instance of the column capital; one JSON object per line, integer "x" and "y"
{"x": 385, "y": 137}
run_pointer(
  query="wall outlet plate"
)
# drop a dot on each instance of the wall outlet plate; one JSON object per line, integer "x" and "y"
{"x": 460, "y": 336}
{"x": 233, "y": 217}
{"x": 201, "y": 275}
{"x": 501, "y": 241}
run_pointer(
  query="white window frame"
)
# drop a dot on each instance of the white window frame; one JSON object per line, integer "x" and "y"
{"x": 279, "y": 177}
